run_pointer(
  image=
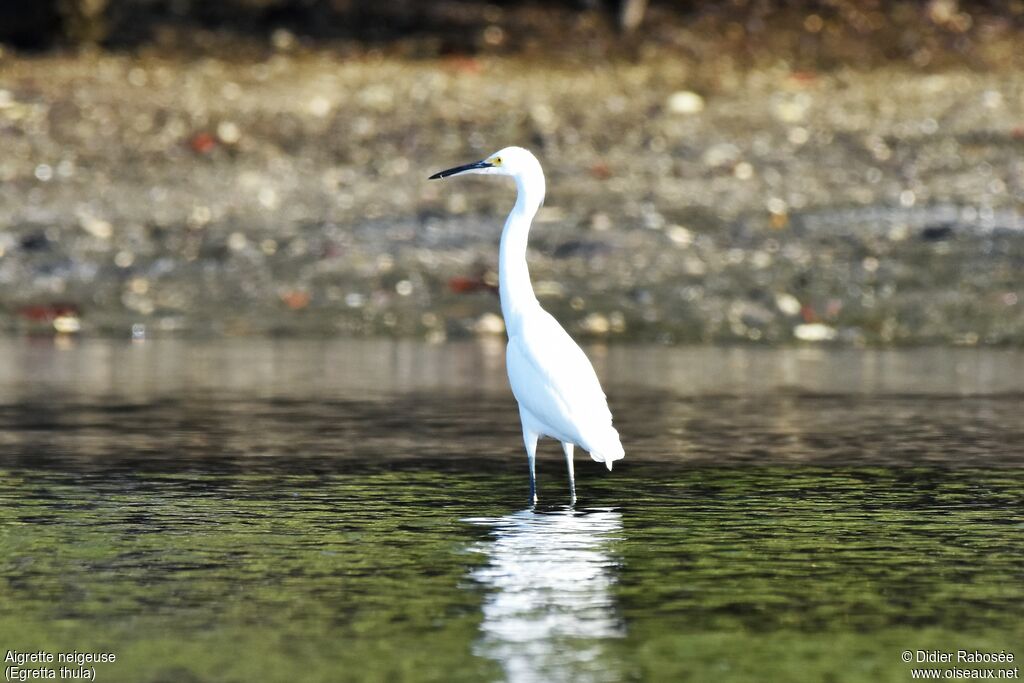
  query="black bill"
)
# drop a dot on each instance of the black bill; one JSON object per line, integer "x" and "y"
{"x": 460, "y": 169}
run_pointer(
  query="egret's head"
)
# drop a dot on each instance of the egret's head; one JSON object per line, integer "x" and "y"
{"x": 510, "y": 161}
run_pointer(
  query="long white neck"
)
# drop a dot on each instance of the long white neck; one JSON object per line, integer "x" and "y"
{"x": 513, "y": 274}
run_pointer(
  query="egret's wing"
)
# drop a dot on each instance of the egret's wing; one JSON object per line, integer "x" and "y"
{"x": 553, "y": 379}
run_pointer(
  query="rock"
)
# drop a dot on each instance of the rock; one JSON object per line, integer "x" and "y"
{"x": 582, "y": 248}
{"x": 935, "y": 233}
{"x": 722, "y": 154}
{"x": 489, "y": 324}
{"x": 228, "y": 132}
{"x": 814, "y": 332}
{"x": 596, "y": 323}
{"x": 685, "y": 102}
{"x": 680, "y": 235}
{"x": 787, "y": 304}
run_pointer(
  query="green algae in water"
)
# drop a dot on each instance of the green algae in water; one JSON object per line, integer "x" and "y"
{"x": 355, "y": 512}
{"x": 365, "y": 573}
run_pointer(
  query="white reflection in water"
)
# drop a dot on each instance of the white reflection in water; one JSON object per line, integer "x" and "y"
{"x": 550, "y": 608}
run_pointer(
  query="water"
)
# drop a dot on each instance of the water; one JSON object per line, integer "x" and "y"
{"x": 278, "y": 511}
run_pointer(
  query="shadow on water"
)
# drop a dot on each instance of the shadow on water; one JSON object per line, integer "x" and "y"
{"x": 549, "y": 605}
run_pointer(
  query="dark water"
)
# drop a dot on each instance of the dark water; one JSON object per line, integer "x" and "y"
{"x": 356, "y": 511}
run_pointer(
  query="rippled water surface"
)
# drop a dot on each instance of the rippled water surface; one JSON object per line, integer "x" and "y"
{"x": 259, "y": 511}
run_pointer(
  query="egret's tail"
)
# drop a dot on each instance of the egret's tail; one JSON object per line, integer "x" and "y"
{"x": 608, "y": 448}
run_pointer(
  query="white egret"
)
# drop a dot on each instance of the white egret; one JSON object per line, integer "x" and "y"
{"x": 554, "y": 383}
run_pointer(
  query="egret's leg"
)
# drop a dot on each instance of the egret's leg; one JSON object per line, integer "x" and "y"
{"x": 567, "y": 449}
{"x": 530, "y": 439}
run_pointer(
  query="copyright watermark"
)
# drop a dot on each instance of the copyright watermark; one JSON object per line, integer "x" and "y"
{"x": 961, "y": 664}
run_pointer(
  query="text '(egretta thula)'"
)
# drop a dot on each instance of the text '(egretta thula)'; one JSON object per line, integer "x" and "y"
{"x": 554, "y": 383}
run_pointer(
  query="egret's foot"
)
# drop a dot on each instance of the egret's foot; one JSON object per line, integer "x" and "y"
{"x": 572, "y": 500}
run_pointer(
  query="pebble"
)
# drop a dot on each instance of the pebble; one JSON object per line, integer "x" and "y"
{"x": 814, "y": 332}
{"x": 680, "y": 235}
{"x": 787, "y": 304}
{"x": 596, "y": 323}
{"x": 722, "y": 154}
{"x": 791, "y": 109}
{"x": 228, "y": 132}
{"x": 685, "y": 102}
{"x": 315, "y": 171}
{"x": 489, "y": 324}
{"x": 67, "y": 324}
{"x": 97, "y": 227}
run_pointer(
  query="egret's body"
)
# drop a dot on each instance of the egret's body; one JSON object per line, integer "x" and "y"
{"x": 554, "y": 383}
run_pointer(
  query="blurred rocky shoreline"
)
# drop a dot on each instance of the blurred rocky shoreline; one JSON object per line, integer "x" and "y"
{"x": 697, "y": 192}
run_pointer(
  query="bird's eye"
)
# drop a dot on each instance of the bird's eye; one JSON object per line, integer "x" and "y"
{"x": 497, "y": 161}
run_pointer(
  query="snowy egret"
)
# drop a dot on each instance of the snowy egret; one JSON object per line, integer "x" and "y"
{"x": 554, "y": 383}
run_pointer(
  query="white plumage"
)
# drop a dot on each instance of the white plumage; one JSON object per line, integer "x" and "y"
{"x": 557, "y": 389}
